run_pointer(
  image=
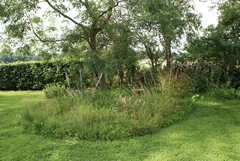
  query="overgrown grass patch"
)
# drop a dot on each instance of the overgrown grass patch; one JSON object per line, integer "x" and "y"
{"x": 210, "y": 132}
{"x": 113, "y": 114}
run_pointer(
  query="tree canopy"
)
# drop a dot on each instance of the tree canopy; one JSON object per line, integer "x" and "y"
{"x": 170, "y": 20}
{"x": 221, "y": 43}
{"x": 105, "y": 33}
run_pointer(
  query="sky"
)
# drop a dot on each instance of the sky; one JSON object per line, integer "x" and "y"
{"x": 209, "y": 16}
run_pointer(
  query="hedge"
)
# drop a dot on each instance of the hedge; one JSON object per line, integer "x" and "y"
{"x": 35, "y": 75}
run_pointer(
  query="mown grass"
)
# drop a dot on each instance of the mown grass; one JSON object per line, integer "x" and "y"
{"x": 210, "y": 132}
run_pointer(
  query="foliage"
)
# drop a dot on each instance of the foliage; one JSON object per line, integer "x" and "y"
{"x": 167, "y": 20}
{"x": 55, "y": 90}
{"x": 87, "y": 24}
{"x": 104, "y": 33}
{"x": 15, "y": 58}
{"x": 221, "y": 45}
{"x": 151, "y": 48}
{"x": 223, "y": 93}
{"x": 215, "y": 46}
{"x": 229, "y": 19}
{"x": 112, "y": 114}
{"x": 35, "y": 75}
{"x": 205, "y": 77}
{"x": 120, "y": 55}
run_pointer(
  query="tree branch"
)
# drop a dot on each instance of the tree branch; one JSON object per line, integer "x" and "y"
{"x": 61, "y": 13}
{"x": 86, "y": 4}
{"x": 44, "y": 40}
{"x": 83, "y": 2}
{"x": 109, "y": 9}
{"x": 38, "y": 35}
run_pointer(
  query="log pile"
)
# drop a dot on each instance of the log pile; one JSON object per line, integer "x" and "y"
{"x": 178, "y": 69}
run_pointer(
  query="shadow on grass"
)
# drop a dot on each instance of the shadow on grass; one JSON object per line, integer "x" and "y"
{"x": 209, "y": 133}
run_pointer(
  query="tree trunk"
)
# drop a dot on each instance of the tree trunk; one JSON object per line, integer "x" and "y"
{"x": 168, "y": 51}
{"x": 120, "y": 77}
{"x": 102, "y": 82}
{"x": 150, "y": 55}
{"x": 132, "y": 73}
{"x": 153, "y": 66}
{"x": 93, "y": 44}
{"x": 92, "y": 38}
{"x": 229, "y": 67}
{"x": 111, "y": 83}
{"x": 168, "y": 56}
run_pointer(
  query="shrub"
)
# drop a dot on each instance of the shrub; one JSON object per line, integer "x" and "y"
{"x": 35, "y": 75}
{"x": 205, "y": 77}
{"x": 223, "y": 93}
{"x": 55, "y": 90}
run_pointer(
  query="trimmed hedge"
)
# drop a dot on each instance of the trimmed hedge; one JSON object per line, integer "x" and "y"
{"x": 35, "y": 75}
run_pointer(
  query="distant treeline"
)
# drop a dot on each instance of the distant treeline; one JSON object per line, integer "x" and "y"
{"x": 15, "y": 58}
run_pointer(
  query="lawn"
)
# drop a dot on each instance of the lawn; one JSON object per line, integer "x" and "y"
{"x": 210, "y": 132}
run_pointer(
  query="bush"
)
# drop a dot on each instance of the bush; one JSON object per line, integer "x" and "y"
{"x": 205, "y": 77}
{"x": 112, "y": 114}
{"x": 35, "y": 75}
{"x": 55, "y": 90}
{"x": 223, "y": 94}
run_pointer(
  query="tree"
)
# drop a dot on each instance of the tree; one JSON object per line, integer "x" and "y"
{"x": 119, "y": 50}
{"x": 151, "y": 48}
{"x": 171, "y": 19}
{"x": 229, "y": 25}
{"x": 89, "y": 20}
{"x": 220, "y": 44}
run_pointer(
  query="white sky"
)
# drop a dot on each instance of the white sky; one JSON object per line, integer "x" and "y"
{"x": 208, "y": 16}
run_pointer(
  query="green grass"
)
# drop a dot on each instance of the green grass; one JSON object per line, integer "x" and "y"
{"x": 210, "y": 132}
{"x": 112, "y": 115}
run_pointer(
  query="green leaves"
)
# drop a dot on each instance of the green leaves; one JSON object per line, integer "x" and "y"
{"x": 170, "y": 20}
{"x": 220, "y": 43}
{"x": 229, "y": 20}
{"x": 36, "y": 19}
{"x": 28, "y": 76}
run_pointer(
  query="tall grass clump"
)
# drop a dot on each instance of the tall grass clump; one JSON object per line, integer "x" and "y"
{"x": 113, "y": 114}
{"x": 55, "y": 90}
